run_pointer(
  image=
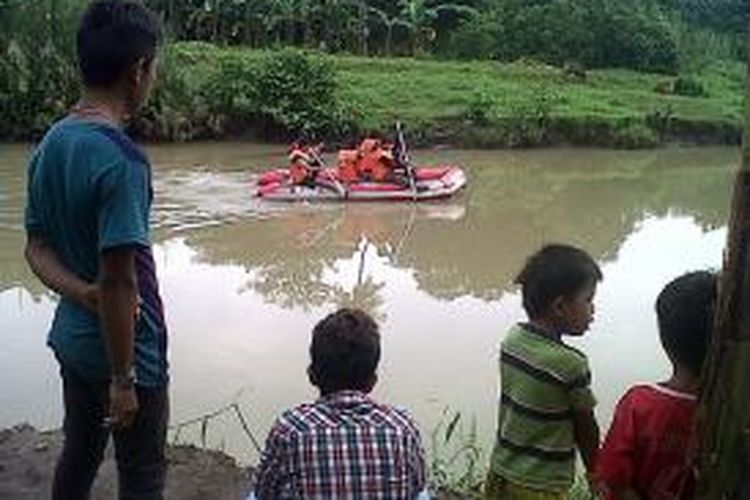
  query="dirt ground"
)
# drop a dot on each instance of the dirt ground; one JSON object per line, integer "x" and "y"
{"x": 28, "y": 456}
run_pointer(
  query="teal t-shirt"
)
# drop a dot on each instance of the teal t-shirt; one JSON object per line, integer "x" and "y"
{"x": 89, "y": 190}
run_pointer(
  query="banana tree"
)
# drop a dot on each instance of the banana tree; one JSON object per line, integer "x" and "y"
{"x": 420, "y": 18}
{"x": 335, "y": 16}
{"x": 389, "y": 23}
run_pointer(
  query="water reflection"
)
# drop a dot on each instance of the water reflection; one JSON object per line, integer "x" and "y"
{"x": 474, "y": 248}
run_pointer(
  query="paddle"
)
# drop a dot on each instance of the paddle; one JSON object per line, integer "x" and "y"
{"x": 402, "y": 158}
{"x": 324, "y": 168}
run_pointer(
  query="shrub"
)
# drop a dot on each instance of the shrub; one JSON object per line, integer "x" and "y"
{"x": 689, "y": 87}
{"x": 281, "y": 94}
{"x": 295, "y": 92}
{"x": 37, "y": 71}
{"x": 175, "y": 110}
{"x": 632, "y": 134}
{"x": 480, "y": 107}
{"x": 474, "y": 39}
{"x": 529, "y": 119}
{"x": 230, "y": 88}
{"x": 661, "y": 122}
{"x": 636, "y": 34}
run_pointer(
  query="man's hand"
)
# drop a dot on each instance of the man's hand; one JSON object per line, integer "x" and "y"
{"x": 89, "y": 297}
{"x": 123, "y": 405}
{"x": 118, "y": 299}
{"x": 46, "y": 264}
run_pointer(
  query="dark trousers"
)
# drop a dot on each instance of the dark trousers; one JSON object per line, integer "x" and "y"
{"x": 139, "y": 449}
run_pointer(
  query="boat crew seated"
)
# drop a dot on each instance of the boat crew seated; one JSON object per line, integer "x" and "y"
{"x": 347, "y": 169}
{"x": 304, "y": 164}
{"x": 376, "y": 162}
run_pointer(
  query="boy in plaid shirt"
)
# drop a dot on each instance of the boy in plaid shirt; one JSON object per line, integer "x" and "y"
{"x": 345, "y": 444}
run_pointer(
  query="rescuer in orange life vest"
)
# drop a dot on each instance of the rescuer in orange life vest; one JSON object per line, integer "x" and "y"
{"x": 347, "y": 168}
{"x": 376, "y": 161}
{"x": 304, "y": 163}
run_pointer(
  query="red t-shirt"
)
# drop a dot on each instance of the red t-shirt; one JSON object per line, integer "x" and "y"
{"x": 647, "y": 445}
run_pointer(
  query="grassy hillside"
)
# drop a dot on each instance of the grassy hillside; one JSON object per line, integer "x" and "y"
{"x": 518, "y": 104}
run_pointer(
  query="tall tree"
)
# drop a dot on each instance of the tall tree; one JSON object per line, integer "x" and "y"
{"x": 724, "y": 409}
{"x": 420, "y": 17}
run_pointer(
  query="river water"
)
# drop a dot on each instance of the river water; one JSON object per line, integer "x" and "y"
{"x": 244, "y": 281}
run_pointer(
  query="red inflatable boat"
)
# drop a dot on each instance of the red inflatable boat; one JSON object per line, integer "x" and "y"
{"x": 427, "y": 183}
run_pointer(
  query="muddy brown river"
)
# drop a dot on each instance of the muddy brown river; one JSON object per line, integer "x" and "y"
{"x": 244, "y": 281}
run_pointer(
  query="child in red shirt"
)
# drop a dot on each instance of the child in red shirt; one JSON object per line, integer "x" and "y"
{"x": 646, "y": 454}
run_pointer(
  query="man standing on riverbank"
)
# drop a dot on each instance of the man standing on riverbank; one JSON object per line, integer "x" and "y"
{"x": 89, "y": 196}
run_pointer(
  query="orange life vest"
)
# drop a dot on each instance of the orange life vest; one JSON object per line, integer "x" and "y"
{"x": 347, "y": 169}
{"x": 375, "y": 162}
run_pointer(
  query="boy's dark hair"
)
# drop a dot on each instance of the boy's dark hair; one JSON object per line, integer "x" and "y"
{"x": 112, "y": 35}
{"x": 555, "y": 271}
{"x": 345, "y": 351}
{"x": 685, "y": 311}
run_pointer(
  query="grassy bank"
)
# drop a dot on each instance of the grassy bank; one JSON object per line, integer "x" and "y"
{"x": 208, "y": 93}
{"x": 490, "y": 104}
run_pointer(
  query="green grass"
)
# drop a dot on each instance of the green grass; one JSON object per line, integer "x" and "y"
{"x": 427, "y": 90}
{"x": 525, "y": 102}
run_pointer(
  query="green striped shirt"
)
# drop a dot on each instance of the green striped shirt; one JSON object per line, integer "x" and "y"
{"x": 543, "y": 382}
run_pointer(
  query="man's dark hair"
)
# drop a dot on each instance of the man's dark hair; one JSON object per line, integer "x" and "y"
{"x": 555, "y": 271}
{"x": 345, "y": 351}
{"x": 685, "y": 310}
{"x": 112, "y": 36}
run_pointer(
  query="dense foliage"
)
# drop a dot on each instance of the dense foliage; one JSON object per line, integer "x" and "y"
{"x": 637, "y": 34}
{"x": 301, "y": 90}
{"x": 37, "y": 73}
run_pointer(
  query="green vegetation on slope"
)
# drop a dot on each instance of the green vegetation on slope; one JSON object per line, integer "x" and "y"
{"x": 211, "y": 91}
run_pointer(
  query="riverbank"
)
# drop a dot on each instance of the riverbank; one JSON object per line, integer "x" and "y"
{"x": 28, "y": 456}
{"x": 208, "y": 93}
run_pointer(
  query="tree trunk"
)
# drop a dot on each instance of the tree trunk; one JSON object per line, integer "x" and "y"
{"x": 171, "y": 21}
{"x": 723, "y": 418}
{"x": 388, "y": 38}
{"x": 247, "y": 31}
{"x": 217, "y": 13}
{"x": 363, "y": 27}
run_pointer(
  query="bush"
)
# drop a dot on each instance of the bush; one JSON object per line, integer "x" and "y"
{"x": 632, "y": 134}
{"x": 37, "y": 69}
{"x": 278, "y": 93}
{"x": 230, "y": 89}
{"x": 37, "y": 86}
{"x": 529, "y": 120}
{"x": 474, "y": 39}
{"x": 175, "y": 110}
{"x": 636, "y": 34}
{"x": 689, "y": 87}
{"x": 480, "y": 107}
{"x": 295, "y": 92}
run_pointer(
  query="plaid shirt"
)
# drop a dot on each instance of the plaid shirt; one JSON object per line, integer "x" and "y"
{"x": 344, "y": 445}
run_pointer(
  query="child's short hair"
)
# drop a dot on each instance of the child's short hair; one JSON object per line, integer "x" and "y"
{"x": 345, "y": 351}
{"x": 685, "y": 311}
{"x": 555, "y": 271}
{"x": 112, "y": 35}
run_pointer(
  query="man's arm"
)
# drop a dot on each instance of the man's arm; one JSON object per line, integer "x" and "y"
{"x": 46, "y": 265}
{"x": 272, "y": 474}
{"x": 118, "y": 298}
{"x": 586, "y": 432}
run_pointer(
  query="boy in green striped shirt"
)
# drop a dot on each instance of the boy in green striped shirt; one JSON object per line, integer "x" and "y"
{"x": 546, "y": 406}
